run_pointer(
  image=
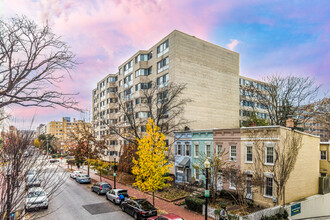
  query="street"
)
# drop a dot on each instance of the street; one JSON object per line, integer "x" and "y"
{"x": 76, "y": 201}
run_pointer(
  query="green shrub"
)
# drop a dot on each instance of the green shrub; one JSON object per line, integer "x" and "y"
{"x": 195, "y": 204}
{"x": 222, "y": 204}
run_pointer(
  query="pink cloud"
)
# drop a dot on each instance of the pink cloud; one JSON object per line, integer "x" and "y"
{"x": 233, "y": 44}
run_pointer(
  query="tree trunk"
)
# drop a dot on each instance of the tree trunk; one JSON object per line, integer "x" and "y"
{"x": 283, "y": 196}
{"x": 153, "y": 199}
{"x": 88, "y": 168}
{"x": 100, "y": 175}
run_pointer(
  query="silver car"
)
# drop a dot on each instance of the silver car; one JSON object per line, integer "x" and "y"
{"x": 75, "y": 174}
{"x": 36, "y": 199}
{"x": 32, "y": 181}
{"x": 113, "y": 195}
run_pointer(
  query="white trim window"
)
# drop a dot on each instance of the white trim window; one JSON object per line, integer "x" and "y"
{"x": 219, "y": 149}
{"x": 323, "y": 155}
{"x": 233, "y": 153}
{"x": 196, "y": 150}
{"x": 269, "y": 186}
{"x": 187, "y": 145}
{"x": 179, "y": 150}
{"x": 232, "y": 182}
{"x": 269, "y": 153}
{"x": 248, "y": 152}
{"x": 208, "y": 150}
{"x": 196, "y": 174}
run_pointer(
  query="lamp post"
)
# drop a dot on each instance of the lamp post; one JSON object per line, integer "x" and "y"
{"x": 207, "y": 193}
{"x": 114, "y": 174}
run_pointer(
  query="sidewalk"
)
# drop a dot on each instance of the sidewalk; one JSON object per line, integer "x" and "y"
{"x": 159, "y": 203}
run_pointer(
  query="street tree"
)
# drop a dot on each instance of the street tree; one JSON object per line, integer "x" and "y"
{"x": 85, "y": 146}
{"x": 33, "y": 60}
{"x": 151, "y": 165}
{"x": 17, "y": 159}
{"x": 101, "y": 166}
{"x": 164, "y": 104}
{"x": 284, "y": 96}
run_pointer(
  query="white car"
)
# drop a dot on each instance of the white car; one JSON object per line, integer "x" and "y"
{"x": 113, "y": 195}
{"x": 75, "y": 174}
{"x": 36, "y": 199}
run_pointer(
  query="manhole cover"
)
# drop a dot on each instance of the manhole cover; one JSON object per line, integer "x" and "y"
{"x": 99, "y": 208}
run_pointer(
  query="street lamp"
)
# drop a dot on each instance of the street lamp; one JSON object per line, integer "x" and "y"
{"x": 114, "y": 174}
{"x": 207, "y": 193}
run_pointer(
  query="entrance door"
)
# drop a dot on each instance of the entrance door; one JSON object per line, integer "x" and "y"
{"x": 248, "y": 186}
{"x": 219, "y": 183}
{"x": 188, "y": 175}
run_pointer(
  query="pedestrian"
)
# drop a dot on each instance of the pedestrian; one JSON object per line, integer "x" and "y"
{"x": 224, "y": 214}
{"x": 121, "y": 198}
{"x": 78, "y": 166}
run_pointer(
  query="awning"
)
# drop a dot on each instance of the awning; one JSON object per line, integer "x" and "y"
{"x": 185, "y": 162}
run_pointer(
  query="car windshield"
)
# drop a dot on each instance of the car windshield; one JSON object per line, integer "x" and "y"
{"x": 31, "y": 172}
{"x": 145, "y": 205}
{"x": 84, "y": 175}
{"x": 32, "y": 179}
{"x": 106, "y": 186}
{"x": 36, "y": 194}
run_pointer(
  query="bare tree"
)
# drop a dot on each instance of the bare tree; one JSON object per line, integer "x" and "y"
{"x": 17, "y": 159}
{"x": 32, "y": 61}
{"x": 85, "y": 145}
{"x": 164, "y": 105}
{"x": 284, "y": 96}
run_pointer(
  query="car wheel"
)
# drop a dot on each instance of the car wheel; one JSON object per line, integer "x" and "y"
{"x": 106, "y": 197}
{"x": 92, "y": 189}
{"x": 136, "y": 216}
{"x": 98, "y": 192}
{"x": 123, "y": 208}
{"x": 46, "y": 207}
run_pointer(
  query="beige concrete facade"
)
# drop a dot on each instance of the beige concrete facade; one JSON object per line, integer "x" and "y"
{"x": 64, "y": 129}
{"x": 210, "y": 72}
{"x": 324, "y": 159}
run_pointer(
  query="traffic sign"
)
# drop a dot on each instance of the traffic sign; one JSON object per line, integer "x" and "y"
{"x": 207, "y": 193}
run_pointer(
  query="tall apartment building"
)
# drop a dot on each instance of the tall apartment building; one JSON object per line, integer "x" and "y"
{"x": 249, "y": 102}
{"x": 210, "y": 72}
{"x": 64, "y": 129}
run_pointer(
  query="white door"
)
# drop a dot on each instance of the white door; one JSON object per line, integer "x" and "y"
{"x": 248, "y": 188}
{"x": 219, "y": 183}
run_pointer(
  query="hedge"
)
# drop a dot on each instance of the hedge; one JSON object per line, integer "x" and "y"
{"x": 195, "y": 204}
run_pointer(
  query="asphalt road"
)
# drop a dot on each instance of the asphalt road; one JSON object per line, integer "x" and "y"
{"x": 76, "y": 201}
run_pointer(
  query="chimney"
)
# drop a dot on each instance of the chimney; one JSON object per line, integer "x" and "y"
{"x": 289, "y": 122}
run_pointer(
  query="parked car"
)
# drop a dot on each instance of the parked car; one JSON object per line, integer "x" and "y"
{"x": 75, "y": 174}
{"x": 139, "y": 208}
{"x": 36, "y": 199}
{"x": 53, "y": 160}
{"x": 113, "y": 195}
{"x": 101, "y": 187}
{"x": 83, "y": 178}
{"x": 170, "y": 216}
{"x": 32, "y": 181}
{"x": 31, "y": 172}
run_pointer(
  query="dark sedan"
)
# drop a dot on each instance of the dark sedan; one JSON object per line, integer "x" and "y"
{"x": 101, "y": 188}
{"x": 139, "y": 208}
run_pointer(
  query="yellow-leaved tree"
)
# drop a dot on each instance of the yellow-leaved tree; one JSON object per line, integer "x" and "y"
{"x": 151, "y": 165}
{"x": 37, "y": 143}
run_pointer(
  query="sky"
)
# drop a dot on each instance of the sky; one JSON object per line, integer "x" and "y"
{"x": 272, "y": 37}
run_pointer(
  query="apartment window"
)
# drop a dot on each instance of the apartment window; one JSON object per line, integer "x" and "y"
{"x": 162, "y": 65}
{"x": 143, "y": 129}
{"x": 112, "y": 89}
{"x": 232, "y": 183}
{"x": 249, "y": 153}
{"x": 143, "y": 72}
{"x": 208, "y": 150}
{"x": 219, "y": 149}
{"x": 269, "y": 186}
{"x": 128, "y": 67}
{"x": 162, "y": 81}
{"x": 162, "y": 49}
{"x": 141, "y": 57}
{"x": 111, "y": 79}
{"x": 323, "y": 155}
{"x": 187, "y": 149}
{"x": 143, "y": 100}
{"x": 119, "y": 84}
{"x": 233, "y": 153}
{"x": 197, "y": 174}
{"x": 162, "y": 96}
{"x": 143, "y": 86}
{"x": 196, "y": 150}
{"x": 179, "y": 150}
{"x": 120, "y": 71}
{"x": 149, "y": 55}
{"x": 142, "y": 114}
{"x": 269, "y": 153}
